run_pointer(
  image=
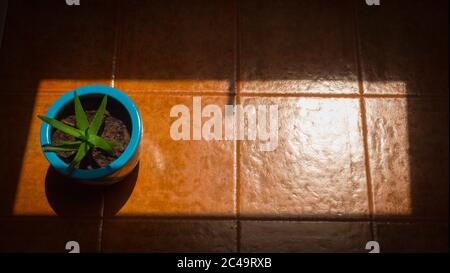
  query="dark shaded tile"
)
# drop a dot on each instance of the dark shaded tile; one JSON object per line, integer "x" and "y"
{"x": 404, "y": 47}
{"x": 412, "y": 237}
{"x": 51, "y": 46}
{"x": 297, "y": 46}
{"x": 29, "y": 186}
{"x": 176, "y": 46}
{"x": 146, "y": 235}
{"x": 317, "y": 167}
{"x": 408, "y": 149}
{"x": 176, "y": 177}
{"x": 290, "y": 236}
{"x": 35, "y": 234}
{"x": 3, "y": 9}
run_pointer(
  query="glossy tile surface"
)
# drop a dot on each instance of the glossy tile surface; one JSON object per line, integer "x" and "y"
{"x": 297, "y": 47}
{"x": 404, "y": 47}
{"x": 408, "y": 147}
{"x": 290, "y": 236}
{"x": 47, "y": 234}
{"x": 193, "y": 177}
{"x": 169, "y": 235}
{"x": 176, "y": 46}
{"x": 412, "y": 237}
{"x": 56, "y": 47}
{"x": 317, "y": 168}
{"x": 29, "y": 187}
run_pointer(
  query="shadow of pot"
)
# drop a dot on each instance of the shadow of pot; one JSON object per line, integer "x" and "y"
{"x": 69, "y": 198}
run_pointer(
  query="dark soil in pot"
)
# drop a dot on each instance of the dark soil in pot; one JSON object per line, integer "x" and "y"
{"x": 116, "y": 127}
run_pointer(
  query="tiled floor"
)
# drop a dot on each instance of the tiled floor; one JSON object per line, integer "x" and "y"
{"x": 363, "y": 125}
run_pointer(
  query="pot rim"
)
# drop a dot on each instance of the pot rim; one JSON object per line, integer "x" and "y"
{"x": 122, "y": 160}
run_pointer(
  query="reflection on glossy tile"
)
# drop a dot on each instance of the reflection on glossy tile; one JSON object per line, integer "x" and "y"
{"x": 47, "y": 234}
{"x": 412, "y": 237}
{"x": 145, "y": 235}
{"x": 291, "y": 236}
{"x": 51, "y": 46}
{"x": 176, "y": 46}
{"x": 28, "y": 186}
{"x": 186, "y": 177}
{"x": 297, "y": 46}
{"x": 405, "y": 47}
{"x": 408, "y": 148}
{"x": 318, "y": 167}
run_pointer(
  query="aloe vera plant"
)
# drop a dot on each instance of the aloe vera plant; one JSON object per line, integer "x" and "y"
{"x": 85, "y": 133}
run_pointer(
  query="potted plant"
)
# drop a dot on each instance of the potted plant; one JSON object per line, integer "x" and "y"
{"x": 92, "y": 134}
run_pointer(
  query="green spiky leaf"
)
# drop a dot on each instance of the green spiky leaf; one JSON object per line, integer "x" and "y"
{"x": 81, "y": 153}
{"x": 62, "y": 127}
{"x": 85, "y": 133}
{"x": 61, "y": 148}
{"x": 80, "y": 114}
{"x": 99, "y": 142}
{"x": 64, "y": 142}
{"x": 98, "y": 118}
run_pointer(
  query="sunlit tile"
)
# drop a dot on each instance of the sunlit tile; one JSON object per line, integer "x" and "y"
{"x": 176, "y": 177}
{"x": 317, "y": 169}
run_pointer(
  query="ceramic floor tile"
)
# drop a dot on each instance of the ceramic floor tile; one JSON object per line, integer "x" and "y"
{"x": 404, "y": 47}
{"x": 297, "y": 46}
{"x": 412, "y": 237}
{"x": 177, "y": 46}
{"x": 184, "y": 177}
{"x": 408, "y": 148}
{"x": 145, "y": 235}
{"x": 317, "y": 168}
{"x": 35, "y": 234}
{"x": 291, "y": 236}
{"x": 51, "y": 46}
{"x": 29, "y": 186}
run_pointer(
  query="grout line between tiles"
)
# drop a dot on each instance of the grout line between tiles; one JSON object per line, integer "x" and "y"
{"x": 299, "y": 94}
{"x": 100, "y": 226}
{"x": 24, "y": 92}
{"x": 363, "y": 113}
{"x": 374, "y": 230}
{"x": 116, "y": 44}
{"x": 113, "y": 83}
{"x": 358, "y": 52}
{"x": 367, "y": 156}
{"x": 304, "y": 219}
{"x": 386, "y": 219}
{"x": 237, "y": 71}
{"x": 237, "y": 189}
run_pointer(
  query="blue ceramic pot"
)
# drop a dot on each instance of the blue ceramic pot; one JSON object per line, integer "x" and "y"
{"x": 119, "y": 168}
